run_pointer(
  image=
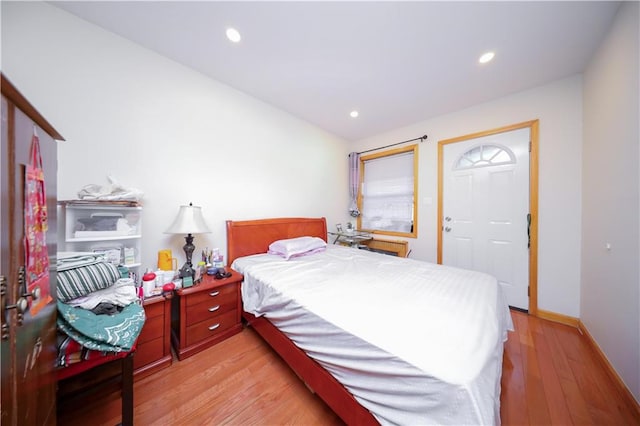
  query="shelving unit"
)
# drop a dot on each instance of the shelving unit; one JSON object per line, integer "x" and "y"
{"x": 111, "y": 227}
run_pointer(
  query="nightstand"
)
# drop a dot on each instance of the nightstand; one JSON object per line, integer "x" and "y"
{"x": 205, "y": 314}
{"x": 153, "y": 350}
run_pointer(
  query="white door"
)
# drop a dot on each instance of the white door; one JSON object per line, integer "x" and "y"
{"x": 485, "y": 209}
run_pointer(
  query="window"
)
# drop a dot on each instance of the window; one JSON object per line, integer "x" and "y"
{"x": 485, "y": 155}
{"x": 388, "y": 192}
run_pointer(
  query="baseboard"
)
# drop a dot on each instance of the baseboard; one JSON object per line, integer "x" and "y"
{"x": 562, "y": 319}
{"x": 619, "y": 383}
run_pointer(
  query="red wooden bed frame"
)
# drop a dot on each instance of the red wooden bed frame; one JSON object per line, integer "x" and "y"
{"x": 254, "y": 236}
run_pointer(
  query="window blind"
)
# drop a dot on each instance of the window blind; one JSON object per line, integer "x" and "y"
{"x": 387, "y": 193}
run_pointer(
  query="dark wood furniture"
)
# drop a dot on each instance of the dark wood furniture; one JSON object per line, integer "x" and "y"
{"x": 206, "y": 314}
{"x": 98, "y": 377}
{"x": 254, "y": 236}
{"x": 154, "y": 343}
{"x": 27, "y": 392}
{"x": 95, "y": 378}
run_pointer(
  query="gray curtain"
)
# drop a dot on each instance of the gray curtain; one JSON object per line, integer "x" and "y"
{"x": 354, "y": 178}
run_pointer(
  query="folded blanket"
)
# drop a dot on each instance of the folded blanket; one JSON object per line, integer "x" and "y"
{"x": 73, "y": 259}
{"x": 121, "y": 293}
{"x": 111, "y": 333}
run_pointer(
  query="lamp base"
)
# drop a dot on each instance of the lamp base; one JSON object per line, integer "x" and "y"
{"x": 187, "y": 271}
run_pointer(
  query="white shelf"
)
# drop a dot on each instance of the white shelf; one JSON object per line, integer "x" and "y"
{"x": 96, "y": 239}
{"x": 109, "y": 227}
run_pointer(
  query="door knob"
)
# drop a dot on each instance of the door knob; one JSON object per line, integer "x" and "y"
{"x": 20, "y": 306}
{"x": 35, "y": 294}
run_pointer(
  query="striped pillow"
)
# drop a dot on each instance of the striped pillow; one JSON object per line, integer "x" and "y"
{"x": 83, "y": 280}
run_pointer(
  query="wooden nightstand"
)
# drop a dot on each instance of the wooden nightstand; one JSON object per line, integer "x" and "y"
{"x": 153, "y": 351}
{"x": 205, "y": 314}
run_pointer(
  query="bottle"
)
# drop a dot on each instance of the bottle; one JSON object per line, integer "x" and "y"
{"x": 149, "y": 283}
{"x": 218, "y": 259}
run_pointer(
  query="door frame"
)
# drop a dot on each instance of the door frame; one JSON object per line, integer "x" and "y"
{"x": 533, "y": 197}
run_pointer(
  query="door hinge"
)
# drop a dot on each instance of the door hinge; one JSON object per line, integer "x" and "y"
{"x": 528, "y": 291}
{"x": 529, "y": 146}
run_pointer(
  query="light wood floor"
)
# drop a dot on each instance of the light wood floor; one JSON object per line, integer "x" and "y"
{"x": 550, "y": 376}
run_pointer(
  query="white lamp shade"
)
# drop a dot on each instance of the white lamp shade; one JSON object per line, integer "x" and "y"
{"x": 188, "y": 221}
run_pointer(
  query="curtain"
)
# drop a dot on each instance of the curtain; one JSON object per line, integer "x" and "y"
{"x": 354, "y": 178}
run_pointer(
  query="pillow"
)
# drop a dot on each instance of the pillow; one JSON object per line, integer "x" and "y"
{"x": 294, "y": 247}
{"x": 83, "y": 280}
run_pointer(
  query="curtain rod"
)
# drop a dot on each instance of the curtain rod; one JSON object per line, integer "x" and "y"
{"x": 421, "y": 138}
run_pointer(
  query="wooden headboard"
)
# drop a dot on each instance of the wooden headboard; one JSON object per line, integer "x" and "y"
{"x": 254, "y": 236}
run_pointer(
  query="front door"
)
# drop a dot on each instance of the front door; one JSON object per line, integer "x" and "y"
{"x": 485, "y": 208}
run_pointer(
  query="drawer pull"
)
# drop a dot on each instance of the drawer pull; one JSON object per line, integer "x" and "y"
{"x": 214, "y": 308}
{"x": 213, "y": 327}
{"x": 214, "y": 293}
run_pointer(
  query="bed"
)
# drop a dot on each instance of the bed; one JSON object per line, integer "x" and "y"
{"x": 380, "y": 339}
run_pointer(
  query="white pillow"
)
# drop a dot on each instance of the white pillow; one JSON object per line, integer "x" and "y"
{"x": 300, "y": 246}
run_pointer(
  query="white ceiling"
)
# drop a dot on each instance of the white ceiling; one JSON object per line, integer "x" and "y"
{"x": 397, "y": 63}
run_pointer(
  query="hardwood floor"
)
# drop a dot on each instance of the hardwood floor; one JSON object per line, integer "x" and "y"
{"x": 550, "y": 376}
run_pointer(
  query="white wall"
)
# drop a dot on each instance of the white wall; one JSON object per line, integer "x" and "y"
{"x": 610, "y": 307}
{"x": 160, "y": 127}
{"x": 558, "y": 106}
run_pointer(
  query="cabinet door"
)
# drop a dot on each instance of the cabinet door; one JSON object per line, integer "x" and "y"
{"x": 28, "y": 344}
{"x": 6, "y": 353}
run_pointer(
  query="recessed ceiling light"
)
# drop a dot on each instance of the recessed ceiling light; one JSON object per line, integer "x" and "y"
{"x": 486, "y": 57}
{"x": 354, "y": 114}
{"x": 233, "y": 35}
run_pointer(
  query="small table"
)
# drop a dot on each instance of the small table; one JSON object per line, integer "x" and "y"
{"x": 351, "y": 239}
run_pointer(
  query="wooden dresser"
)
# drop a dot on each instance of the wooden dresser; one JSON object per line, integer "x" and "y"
{"x": 153, "y": 351}
{"x": 205, "y": 314}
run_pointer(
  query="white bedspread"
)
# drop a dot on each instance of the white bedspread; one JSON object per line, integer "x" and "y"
{"x": 414, "y": 342}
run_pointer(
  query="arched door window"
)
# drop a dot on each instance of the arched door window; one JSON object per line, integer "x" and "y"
{"x": 484, "y": 156}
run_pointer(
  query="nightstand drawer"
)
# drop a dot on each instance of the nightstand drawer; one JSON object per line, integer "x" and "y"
{"x": 211, "y": 295}
{"x": 210, "y": 328}
{"x": 211, "y": 308}
{"x": 153, "y": 310}
{"x": 148, "y": 353}
{"x": 153, "y": 329}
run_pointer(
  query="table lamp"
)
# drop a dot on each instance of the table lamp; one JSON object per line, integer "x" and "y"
{"x": 189, "y": 221}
